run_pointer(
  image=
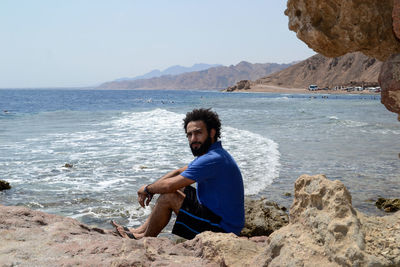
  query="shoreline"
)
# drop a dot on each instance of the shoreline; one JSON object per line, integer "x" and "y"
{"x": 286, "y": 90}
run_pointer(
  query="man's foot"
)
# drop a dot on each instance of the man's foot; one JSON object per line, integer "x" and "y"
{"x": 122, "y": 231}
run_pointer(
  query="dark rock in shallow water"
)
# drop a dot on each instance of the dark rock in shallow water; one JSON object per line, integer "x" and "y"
{"x": 263, "y": 217}
{"x": 67, "y": 165}
{"x": 4, "y": 185}
{"x": 287, "y": 194}
{"x": 388, "y": 205}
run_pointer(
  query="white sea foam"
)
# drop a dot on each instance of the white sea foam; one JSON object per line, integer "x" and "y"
{"x": 351, "y": 123}
{"x": 347, "y": 123}
{"x": 257, "y": 156}
{"x": 284, "y": 98}
{"x": 137, "y": 148}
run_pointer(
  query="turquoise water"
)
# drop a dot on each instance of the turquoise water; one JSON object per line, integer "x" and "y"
{"x": 120, "y": 140}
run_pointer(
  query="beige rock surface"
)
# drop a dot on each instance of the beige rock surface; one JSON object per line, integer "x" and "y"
{"x": 336, "y": 27}
{"x": 324, "y": 230}
{"x": 34, "y": 238}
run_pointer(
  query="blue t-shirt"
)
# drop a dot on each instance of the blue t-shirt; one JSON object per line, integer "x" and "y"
{"x": 219, "y": 186}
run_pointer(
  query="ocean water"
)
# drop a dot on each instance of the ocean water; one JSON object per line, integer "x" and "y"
{"x": 120, "y": 140}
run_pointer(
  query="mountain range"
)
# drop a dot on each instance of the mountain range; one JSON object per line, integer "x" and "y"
{"x": 354, "y": 69}
{"x": 173, "y": 70}
{"x": 213, "y": 78}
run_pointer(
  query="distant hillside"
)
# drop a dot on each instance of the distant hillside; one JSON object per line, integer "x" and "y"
{"x": 352, "y": 68}
{"x": 174, "y": 70}
{"x": 210, "y": 79}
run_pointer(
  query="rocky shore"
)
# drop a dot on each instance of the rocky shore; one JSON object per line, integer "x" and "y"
{"x": 323, "y": 229}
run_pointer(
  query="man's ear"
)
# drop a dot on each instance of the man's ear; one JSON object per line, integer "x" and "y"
{"x": 212, "y": 134}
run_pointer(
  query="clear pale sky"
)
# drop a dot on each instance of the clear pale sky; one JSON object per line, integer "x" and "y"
{"x": 57, "y": 43}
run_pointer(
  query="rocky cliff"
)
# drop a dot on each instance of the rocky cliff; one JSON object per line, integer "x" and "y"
{"x": 323, "y": 230}
{"x": 210, "y": 79}
{"x": 336, "y": 27}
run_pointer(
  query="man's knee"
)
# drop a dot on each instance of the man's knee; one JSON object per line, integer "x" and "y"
{"x": 173, "y": 200}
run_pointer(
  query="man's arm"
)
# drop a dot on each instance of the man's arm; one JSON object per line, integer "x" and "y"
{"x": 174, "y": 173}
{"x": 169, "y": 183}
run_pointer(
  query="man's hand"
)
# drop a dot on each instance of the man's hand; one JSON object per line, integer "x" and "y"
{"x": 143, "y": 197}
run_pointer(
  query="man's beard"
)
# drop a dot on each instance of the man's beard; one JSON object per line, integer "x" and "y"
{"x": 203, "y": 147}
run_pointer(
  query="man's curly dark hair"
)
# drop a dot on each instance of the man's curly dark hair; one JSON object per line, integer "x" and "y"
{"x": 210, "y": 118}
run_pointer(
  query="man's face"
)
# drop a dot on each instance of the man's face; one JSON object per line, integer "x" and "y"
{"x": 198, "y": 137}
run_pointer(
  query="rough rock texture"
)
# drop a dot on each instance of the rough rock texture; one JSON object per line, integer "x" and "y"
{"x": 336, "y": 27}
{"x": 324, "y": 230}
{"x": 389, "y": 79}
{"x": 396, "y": 18}
{"x": 263, "y": 217}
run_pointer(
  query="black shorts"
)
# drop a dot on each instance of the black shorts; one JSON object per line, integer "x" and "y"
{"x": 194, "y": 218}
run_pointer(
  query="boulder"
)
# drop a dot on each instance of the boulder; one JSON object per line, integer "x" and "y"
{"x": 263, "y": 217}
{"x": 325, "y": 230}
{"x": 4, "y": 185}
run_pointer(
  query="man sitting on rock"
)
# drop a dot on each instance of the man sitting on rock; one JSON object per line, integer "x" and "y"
{"x": 218, "y": 203}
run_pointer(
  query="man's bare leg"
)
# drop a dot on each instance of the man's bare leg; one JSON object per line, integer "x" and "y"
{"x": 159, "y": 216}
{"x": 161, "y": 213}
{"x": 141, "y": 229}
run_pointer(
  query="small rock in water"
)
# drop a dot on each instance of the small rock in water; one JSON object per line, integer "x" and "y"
{"x": 67, "y": 165}
{"x": 4, "y": 185}
{"x": 388, "y": 205}
{"x": 287, "y": 194}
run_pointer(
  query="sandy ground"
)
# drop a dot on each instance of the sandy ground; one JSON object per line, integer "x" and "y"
{"x": 276, "y": 89}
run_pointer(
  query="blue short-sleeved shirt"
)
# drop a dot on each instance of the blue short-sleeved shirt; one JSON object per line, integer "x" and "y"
{"x": 219, "y": 186}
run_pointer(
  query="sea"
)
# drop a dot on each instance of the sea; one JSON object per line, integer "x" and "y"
{"x": 84, "y": 153}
